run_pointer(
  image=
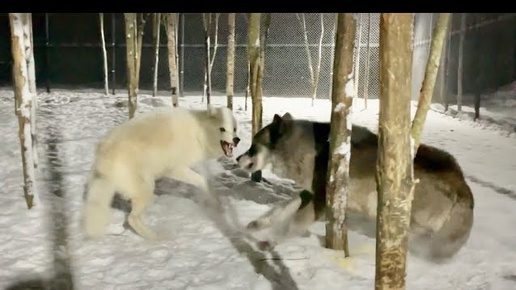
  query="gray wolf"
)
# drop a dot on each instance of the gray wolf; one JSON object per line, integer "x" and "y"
{"x": 442, "y": 208}
{"x": 165, "y": 142}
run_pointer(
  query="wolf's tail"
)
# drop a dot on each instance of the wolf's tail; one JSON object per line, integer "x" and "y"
{"x": 454, "y": 233}
{"x": 96, "y": 207}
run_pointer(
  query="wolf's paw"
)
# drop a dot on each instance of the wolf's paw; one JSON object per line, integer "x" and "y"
{"x": 265, "y": 245}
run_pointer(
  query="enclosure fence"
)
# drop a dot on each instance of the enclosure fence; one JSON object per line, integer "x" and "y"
{"x": 68, "y": 53}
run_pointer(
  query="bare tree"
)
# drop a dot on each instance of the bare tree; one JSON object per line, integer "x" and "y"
{"x": 340, "y": 134}
{"x": 357, "y": 53}
{"x": 314, "y": 74}
{"x": 395, "y": 153}
{"x": 24, "y": 92}
{"x": 253, "y": 50}
{"x": 432, "y": 67}
{"x": 230, "y": 76}
{"x": 461, "y": 61}
{"x": 171, "y": 27}
{"x": 208, "y": 24}
{"x": 156, "y": 31}
{"x": 32, "y": 87}
{"x": 368, "y": 56}
{"x": 134, "y": 36}
{"x": 444, "y": 67}
{"x": 104, "y": 54}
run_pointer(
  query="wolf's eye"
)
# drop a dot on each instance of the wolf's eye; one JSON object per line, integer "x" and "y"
{"x": 222, "y": 129}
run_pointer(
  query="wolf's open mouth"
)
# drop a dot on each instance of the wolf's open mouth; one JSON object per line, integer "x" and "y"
{"x": 227, "y": 148}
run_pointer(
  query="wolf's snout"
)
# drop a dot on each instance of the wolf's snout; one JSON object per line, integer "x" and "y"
{"x": 236, "y": 140}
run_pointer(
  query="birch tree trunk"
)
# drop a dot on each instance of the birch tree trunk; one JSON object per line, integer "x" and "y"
{"x": 104, "y": 54}
{"x": 172, "y": 57}
{"x": 210, "y": 59}
{"x": 367, "y": 61}
{"x": 156, "y": 31}
{"x": 314, "y": 73}
{"x": 317, "y": 73}
{"x": 132, "y": 58}
{"x": 357, "y": 53}
{"x": 432, "y": 68}
{"x": 443, "y": 67}
{"x": 24, "y": 90}
{"x": 207, "y": 45}
{"x": 139, "y": 41}
{"x": 230, "y": 77}
{"x": 253, "y": 50}
{"x": 395, "y": 153}
{"x": 340, "y": 134}
{"x": 461, "y": 61}
{"x": 32, "y": 86}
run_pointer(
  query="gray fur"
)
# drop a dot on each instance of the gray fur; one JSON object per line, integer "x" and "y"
{"x": 442, "y": 209}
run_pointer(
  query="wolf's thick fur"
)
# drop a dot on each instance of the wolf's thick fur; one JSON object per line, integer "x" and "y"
{"x": 442, "y": 209}
{"x": 165, "y": 142}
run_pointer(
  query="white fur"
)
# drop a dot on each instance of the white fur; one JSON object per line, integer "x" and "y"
{"x": 165, "y": 142}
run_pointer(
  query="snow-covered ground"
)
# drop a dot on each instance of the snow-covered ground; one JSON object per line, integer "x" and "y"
{"x": 204, "y": 251}
{"x": 497, "y": 108}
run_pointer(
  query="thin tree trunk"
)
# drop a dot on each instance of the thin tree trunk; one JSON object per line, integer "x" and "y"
{"x": 395, "y": 184}
{"x": 357, "y": 52}
{"x": 340, "y": 134}
{"x": 248, "y": 87}
{"x": 302, "y": 21}
{"x": 461, "y": 61}
{"x": 253, "y": 47}
{"x": 480, "y": 72}
{"x": 444, "y": 64}
{"x": 207, "y": 76}
{"x": 156, "y": 27}
{"x": 368, "y": 56}
{"x": 32, "y": 86}
{"x": 131, "y": 52}
{"x": 432, "y": 68}
{"x": 447, "y": 66}
{"x": 317, "y": 73}
{"x": 172, "y": 57}
{"x": 139, "y": 41}
{"x": 23, "y": 77}
{"x": 208, "y": 22}
{"x": 230, "y": 77}
{"x": 104, "y": 54}
{"x": 215, "y": 41}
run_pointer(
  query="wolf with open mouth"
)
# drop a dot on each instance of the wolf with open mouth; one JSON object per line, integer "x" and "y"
{"x": 442, "y": 208}
{"x": 165, "y": 142}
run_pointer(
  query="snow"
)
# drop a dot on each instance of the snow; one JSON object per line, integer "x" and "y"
{"x": 208, "y": 251}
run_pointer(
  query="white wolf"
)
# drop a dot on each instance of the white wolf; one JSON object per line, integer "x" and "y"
{"x": 165, "y": 142}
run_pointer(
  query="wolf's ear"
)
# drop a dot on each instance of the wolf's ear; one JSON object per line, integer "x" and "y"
{"x": 287, "y": 117}
{"x": 277, "y": 119}
{"x": 212, "y": 111}
{"x": 280, "y": 123}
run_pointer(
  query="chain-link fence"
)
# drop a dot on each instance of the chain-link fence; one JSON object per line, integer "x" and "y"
{"x": 68, "y": 53}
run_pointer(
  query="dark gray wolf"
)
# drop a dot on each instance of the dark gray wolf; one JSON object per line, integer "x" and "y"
{"x": 442, "y": 208}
